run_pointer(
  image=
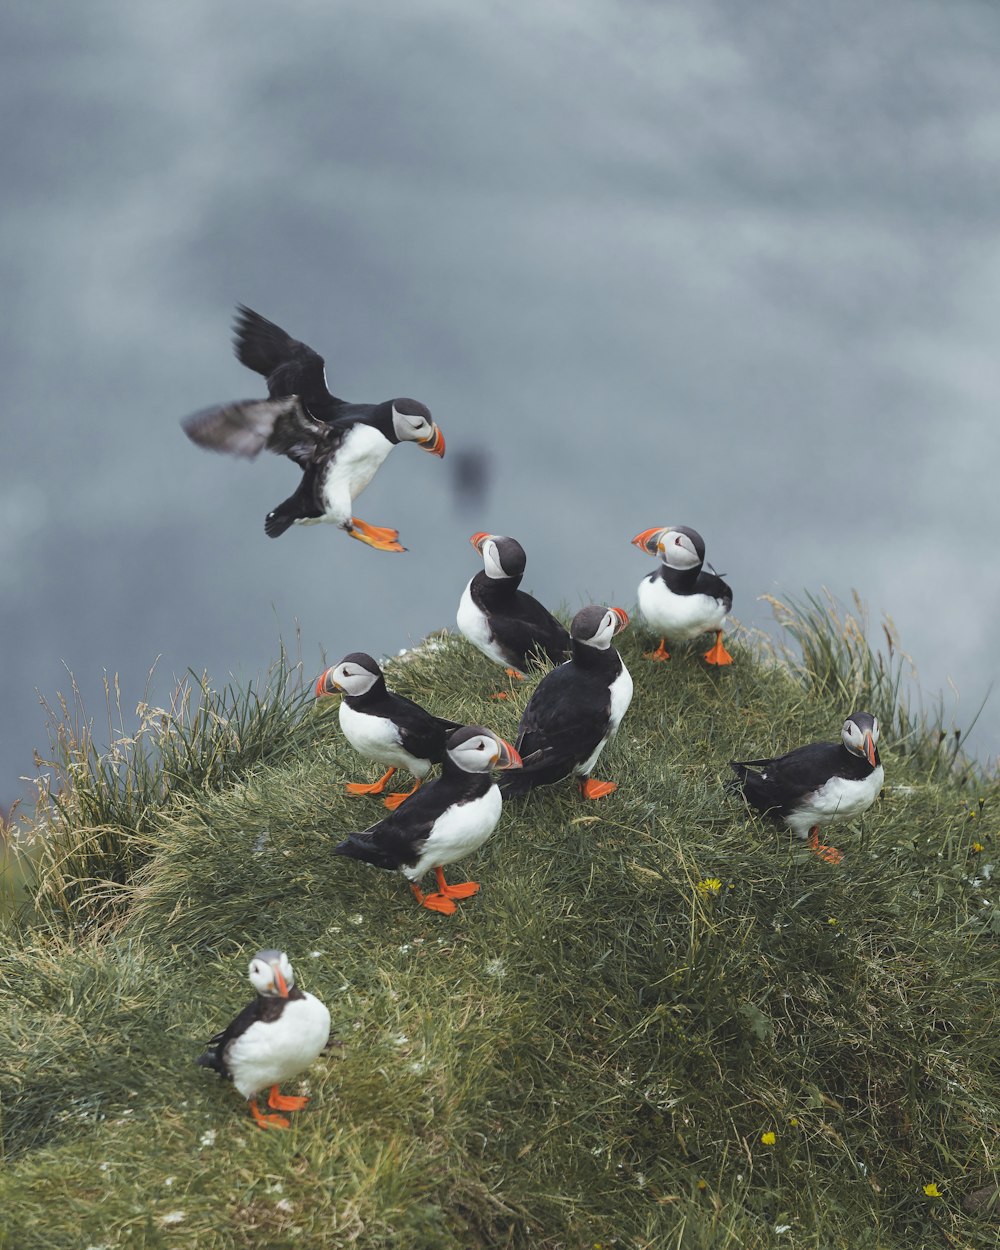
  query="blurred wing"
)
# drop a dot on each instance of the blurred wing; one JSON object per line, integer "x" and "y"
{"x": 291, "y": 367}
{"x": 246, "y": 427}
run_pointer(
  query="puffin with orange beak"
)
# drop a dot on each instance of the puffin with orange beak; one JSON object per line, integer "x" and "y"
{"x": 273, "y": 1039}
{"x": 575, "y": 710}
{"x": 818, "y": 784}
{"x": 384, "y": 726}
{"x": 509, "y": 626}
{"x": 339, "y": 446}
{"x": 444, "y": 821}
{"x": 680, "y": 600}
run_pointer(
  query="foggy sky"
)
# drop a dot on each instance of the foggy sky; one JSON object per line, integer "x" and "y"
{"x": 721, "y": 265}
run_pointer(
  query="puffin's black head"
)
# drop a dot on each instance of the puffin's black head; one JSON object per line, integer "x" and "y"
{"x": 412, "y": 423}
{"x": 354, "y": 675}
{"x": 595, "y": 625}
{"x": 502, "y": 556}
{"x": 475, "y": 749}
{"x": 860, "y": 736}
{"x": 271, "y": 974}
{"x": 678, "y": 546}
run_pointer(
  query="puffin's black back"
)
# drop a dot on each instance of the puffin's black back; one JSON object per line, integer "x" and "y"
{"x": 776, "y": 787}
{"x": 422, "y": 734}
{"x": 522, "y": 627}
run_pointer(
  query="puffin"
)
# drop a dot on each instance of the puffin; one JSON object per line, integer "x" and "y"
{"x": 680, "y": 600}
{"x": 339, "y": 446}
{"x": 384, "y": 726}
{"x": 818, "y": 784}
{"x": 445, "y": 820}
{"x": 506, "y": 624}
{"x": 575, "y": 710}
{"x": 274, "y": 1038}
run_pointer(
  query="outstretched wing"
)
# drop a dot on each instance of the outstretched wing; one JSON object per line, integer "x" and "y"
{"x": 246, "y": 427}
{"x": 291, "y": 367}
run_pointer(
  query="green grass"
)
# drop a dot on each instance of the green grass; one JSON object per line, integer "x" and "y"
{"x": 588, "y": 1053}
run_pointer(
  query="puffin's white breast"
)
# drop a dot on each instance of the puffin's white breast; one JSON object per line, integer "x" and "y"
{"x": 378, "y": 738}
{"x": 840, "y": 798}
{"x": 458, "y": 832}
{"x": 275, "y": 1051}
{"x": 472, "y": 623}
{"x": 355, "y": 463}
{"x": 678, "y": 617}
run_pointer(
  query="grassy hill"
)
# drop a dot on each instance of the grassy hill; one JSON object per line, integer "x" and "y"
{"x": 661, "y": 1023}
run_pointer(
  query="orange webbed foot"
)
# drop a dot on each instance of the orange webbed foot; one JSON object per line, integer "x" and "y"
{"x": 500, "y": 694}
{"x": 515, "y": 675}
{"x": 829, "y": 854}
{"x": 285, "y": 1102}
{"x": 433, "y": 902}
{"x": 267, "y": 1121}
{"x": 392, "y": 801}
{"x": 717, "y": 653}
{"x": 380, "y": 537}
{"x": 375, "y": 787}
{"x": 591, "y": 789}
{"x": 462, "y": 889}
{"x": 661, "y": 652}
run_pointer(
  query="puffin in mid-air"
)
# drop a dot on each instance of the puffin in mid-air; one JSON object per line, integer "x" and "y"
{"x": 274, "y": 1038}
{"x": 506, "y": 624}
{"x": 680, "y": 600}
{"x": 818, "y": 784}
{"x": 384, "y": 726}
{"x": 338, "y": 446}
{"x": 445, "y": 820}
{"x": 575, "y": 710}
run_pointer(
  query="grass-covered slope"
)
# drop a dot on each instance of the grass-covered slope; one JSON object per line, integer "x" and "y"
{"x": 660, "y": 1023}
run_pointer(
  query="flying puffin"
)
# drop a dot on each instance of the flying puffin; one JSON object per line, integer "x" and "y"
{"x": 507, "y": 625}
{"x": 575, "y": 710}
{"x": 384, "y": 726}
{"x": 273, "y": 1038}
{"x": 338, "y": 446}
{"x": 444, "y": 821}
{"x": 680, "y": 599}
{"x": 818, "y": 784}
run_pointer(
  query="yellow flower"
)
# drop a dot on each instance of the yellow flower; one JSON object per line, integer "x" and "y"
{"x": 794, "y": 1122}
{"x": 977, "y": 847}
{"x": 932, "y": 1191}
{"x": 702, "y": 1184}
{"x": 711, "y": 885}
{"x": 831, "y": 920}
{"x": 768, "y": 1139}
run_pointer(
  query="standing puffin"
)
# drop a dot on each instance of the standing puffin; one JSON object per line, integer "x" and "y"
{"x": 444, "y": 821}
{"x": 506, "y": 624}
{"x": 818, "y": 784}
{"x": 273, "y": 1038}
{"x": 384, "y": 726}
{"x": 576, "y": 709}
{"x": 337, "y": 445}
{"x": 680, "y": 599}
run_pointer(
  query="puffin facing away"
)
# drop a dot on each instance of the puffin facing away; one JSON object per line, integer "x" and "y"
{"x": 575, "y": 710}
{"x": 338, "y": 446}
{"x": 506, "y": 624}
{"x": 444, "y": 821}
{"x": 274, "y": 1038}
{"x": 680, "y": 600}
{"x": 819, "y": 784}
{"x": 384, "y": 726}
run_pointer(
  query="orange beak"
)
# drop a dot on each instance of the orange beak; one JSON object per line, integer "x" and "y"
{"x": 326, "y": 685}
{"x": 870, "y": 749}
{"x": 622, "y": 618}
{"x": 477, "y": 540}
{"x": 434, "y": 442}
{"x": 648, "y": 540}
{"x": 507, "y": 757}
{"x": 279, "y": 981}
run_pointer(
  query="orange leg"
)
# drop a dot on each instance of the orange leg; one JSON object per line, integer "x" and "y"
{"x": 514, "y": 675}
{"x": 377, "y": 536}
{"x": 661, "y": 652}
{"x": 433, "y": 902}
{"x": 591, "y": 789}
{"x": 285, "y": 1102}
{"x": 465, "y": 889}
{"x": 376, "y": 787}
{"x": 266, "y": 1121}
{"x": 392, "y": 801}
{"x": 717, "y": 654}
{"x": 829, "y": 854}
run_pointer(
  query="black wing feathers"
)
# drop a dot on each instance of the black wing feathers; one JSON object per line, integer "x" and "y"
{"x": 291, "y": 367}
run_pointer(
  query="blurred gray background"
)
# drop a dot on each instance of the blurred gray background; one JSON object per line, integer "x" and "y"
{"x": 728, "y": 265}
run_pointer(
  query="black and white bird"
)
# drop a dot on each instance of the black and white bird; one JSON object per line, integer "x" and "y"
{"x": 680, "y": 600}
{"x": 384, "y": 726}
{"x": 575, "y": 710}
{"x": 819, "y": 784}
{"x": 339, "y": 446}
{"x": 506, "y": 624}
{"x": 274, "y": 1038}
{"x": 445, "y": 820}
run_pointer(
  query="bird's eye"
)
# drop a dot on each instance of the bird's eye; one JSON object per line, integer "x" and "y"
{"x": 481, "y": 747}
{"x": 677, "y": 542}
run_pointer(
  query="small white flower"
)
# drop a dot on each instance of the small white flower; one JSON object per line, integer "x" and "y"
{"x": 400, "y": 1039}
{"x": 169, "y": 1181}
{"x": 357, "y": 918}
{"x": 208, "y": 1137}
{"x": 404, "y": 948}
{"x": 782, "y": 1228}
{"x": 495, "y": 968}
{"x": 172, "y": 1217}
{"x": 418, "y": 1066}
{"x": 284, "y": 1205}
{"x": 315, "y": 954}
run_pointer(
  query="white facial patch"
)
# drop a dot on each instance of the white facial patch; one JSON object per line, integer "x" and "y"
{"x": 491, "y": 561}
{"x": 679, "y": 551}
{"x": 408, "y": 426}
